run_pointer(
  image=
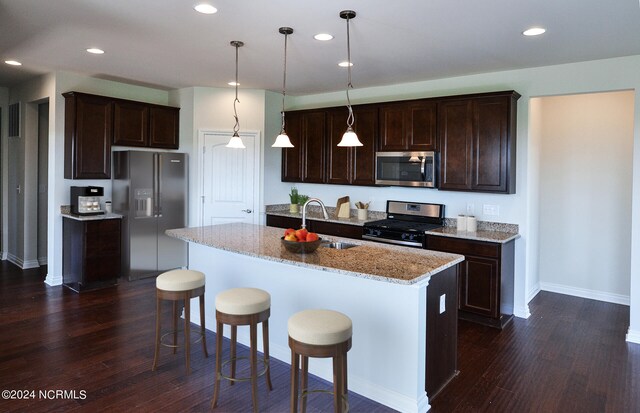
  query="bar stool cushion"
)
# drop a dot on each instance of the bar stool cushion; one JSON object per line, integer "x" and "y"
{"x": 320, "y": 327}
{"x": 243, "y": 301}
{"x": 180, "y": 280}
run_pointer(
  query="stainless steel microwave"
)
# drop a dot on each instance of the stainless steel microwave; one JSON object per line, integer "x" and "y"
{"x": 406, "y": 169}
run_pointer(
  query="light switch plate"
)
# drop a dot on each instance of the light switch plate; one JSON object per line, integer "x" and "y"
{"x": 443, "y": 300}
{"x": 470, "y": 208}
{"x": 493, "y": 210}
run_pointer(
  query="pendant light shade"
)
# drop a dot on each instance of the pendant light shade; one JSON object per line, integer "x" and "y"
{"x": 236, "y": 141}
{"x": 282, "y": 140}
{"x": 349, "y": 138}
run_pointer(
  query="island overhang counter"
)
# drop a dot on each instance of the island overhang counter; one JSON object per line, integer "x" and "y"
{"x": 384, "y": 289}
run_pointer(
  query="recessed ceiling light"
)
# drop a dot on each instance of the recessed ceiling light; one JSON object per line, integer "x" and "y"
{"x": 345, "y": 64}
{"x": 534, "y": 31}
{"x": 205, "y": 8}
{"x": 323, "y": 37}
{"x": 233, "y": 84}
{"x": 94, "y": 50}
{"x": 13, "y": 62}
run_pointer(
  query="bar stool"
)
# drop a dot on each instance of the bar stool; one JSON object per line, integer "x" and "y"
{"x": 174, "y": 286}
{"x": 241, "y": 307}
{"x": 319, "y": 333}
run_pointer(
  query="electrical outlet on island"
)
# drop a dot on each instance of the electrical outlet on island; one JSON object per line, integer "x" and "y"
{"x": 443, "y": 300}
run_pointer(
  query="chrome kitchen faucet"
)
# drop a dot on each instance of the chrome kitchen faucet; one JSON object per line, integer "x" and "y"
{"x": 304, "y": 210}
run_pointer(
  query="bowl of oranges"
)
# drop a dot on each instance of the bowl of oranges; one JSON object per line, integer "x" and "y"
{"x": 300, "y": 241}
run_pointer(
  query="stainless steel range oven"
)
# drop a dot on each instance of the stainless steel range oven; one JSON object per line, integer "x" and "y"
{"x": 406, "y": 223}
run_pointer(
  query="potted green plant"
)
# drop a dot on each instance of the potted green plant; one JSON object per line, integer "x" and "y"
{"x": 295, "y": 198}
{"x": 302, "y": 199}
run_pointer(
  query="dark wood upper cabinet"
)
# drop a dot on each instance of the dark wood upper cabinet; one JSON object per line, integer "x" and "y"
{"x": 473, "y": 134}
{"x": 477, "y": 142}
{"x": 145, "y": 125}
{"x": 292, "y": 157}
{"x": 93, "y": 123}
{"x": 164, "y": 123}
{"x": 408, "y": 125}
{"x": 130, "y": 123}
{"x": 305, "y": 162}
{"x": 354, "y": 166}
{"x": 455, "y": 133}
{"x": 314, "y": 148}
{"x": 88, "y": 133}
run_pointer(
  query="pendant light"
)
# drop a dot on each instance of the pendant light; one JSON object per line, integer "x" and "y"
{"x": 282, "y": 140}
{"x": 349, "y": 138}
{"x": 235, "y": 141}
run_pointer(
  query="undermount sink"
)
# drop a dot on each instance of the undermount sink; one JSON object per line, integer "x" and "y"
{"x": 338, "y": 245}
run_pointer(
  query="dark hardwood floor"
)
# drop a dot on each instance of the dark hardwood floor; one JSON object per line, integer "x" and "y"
{"x": 569, "y": 356}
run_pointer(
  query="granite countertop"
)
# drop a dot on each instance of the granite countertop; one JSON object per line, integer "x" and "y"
{"x": 92, "y": 217}
{"x": 487, "y": 231}
{"x": 368, "y": 260}
{"x": 314, "y": 212}
{"x": 500, "y": 237}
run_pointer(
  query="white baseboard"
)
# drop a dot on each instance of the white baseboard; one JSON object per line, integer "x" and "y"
{"x": 585, "y": 293}
{"x": 42, "y": 261}
{"x": 522, "y": 311}
{"x": 53, "y": 280}
{"x": 633, "y": 336}
{"x": 25, "y": 265}
{"x": 531, "y": 294}
{"x": 4, "y": 255}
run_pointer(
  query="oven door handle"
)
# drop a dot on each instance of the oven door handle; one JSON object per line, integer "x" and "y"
{"x": 391, "y": 241}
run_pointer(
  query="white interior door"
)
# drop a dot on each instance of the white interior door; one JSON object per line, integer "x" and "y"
{"x": 229, "y": 179}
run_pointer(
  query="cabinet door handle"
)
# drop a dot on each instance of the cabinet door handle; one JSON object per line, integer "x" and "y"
{"x": 248, "y": 211}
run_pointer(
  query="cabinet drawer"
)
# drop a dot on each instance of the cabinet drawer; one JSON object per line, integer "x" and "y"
{"x": 103, "y": 226}
{"x": 463, "y": 246}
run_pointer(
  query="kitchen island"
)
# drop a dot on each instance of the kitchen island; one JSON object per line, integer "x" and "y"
{"x": 383, "y": 289}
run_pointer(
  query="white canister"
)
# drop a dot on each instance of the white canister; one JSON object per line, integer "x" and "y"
{"x": 472, "y": 224}
{"x": 107, "y": 207}
{"x": 363, "y": 214}
{"x": 461, "y": 223}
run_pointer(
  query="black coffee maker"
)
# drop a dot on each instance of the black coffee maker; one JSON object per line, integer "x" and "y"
{"x": 85, "y": 200}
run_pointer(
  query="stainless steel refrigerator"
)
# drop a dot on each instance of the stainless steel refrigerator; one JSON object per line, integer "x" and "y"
{"x": 150, "y": 191}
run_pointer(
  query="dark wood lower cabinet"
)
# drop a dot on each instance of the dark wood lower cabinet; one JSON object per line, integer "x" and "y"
{"x": 322, "y": 227}
{"x": 442, "y": 331}
{"x": 485, "y": 278}
{"x": 91, "y": 253}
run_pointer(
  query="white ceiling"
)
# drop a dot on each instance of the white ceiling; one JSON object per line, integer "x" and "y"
{"x": 166, "y": 44}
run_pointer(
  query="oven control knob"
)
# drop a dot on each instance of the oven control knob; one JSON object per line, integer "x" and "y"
{"x": 408, "y": 237}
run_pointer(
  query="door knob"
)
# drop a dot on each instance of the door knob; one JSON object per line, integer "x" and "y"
{"x": 248, "y": 211}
